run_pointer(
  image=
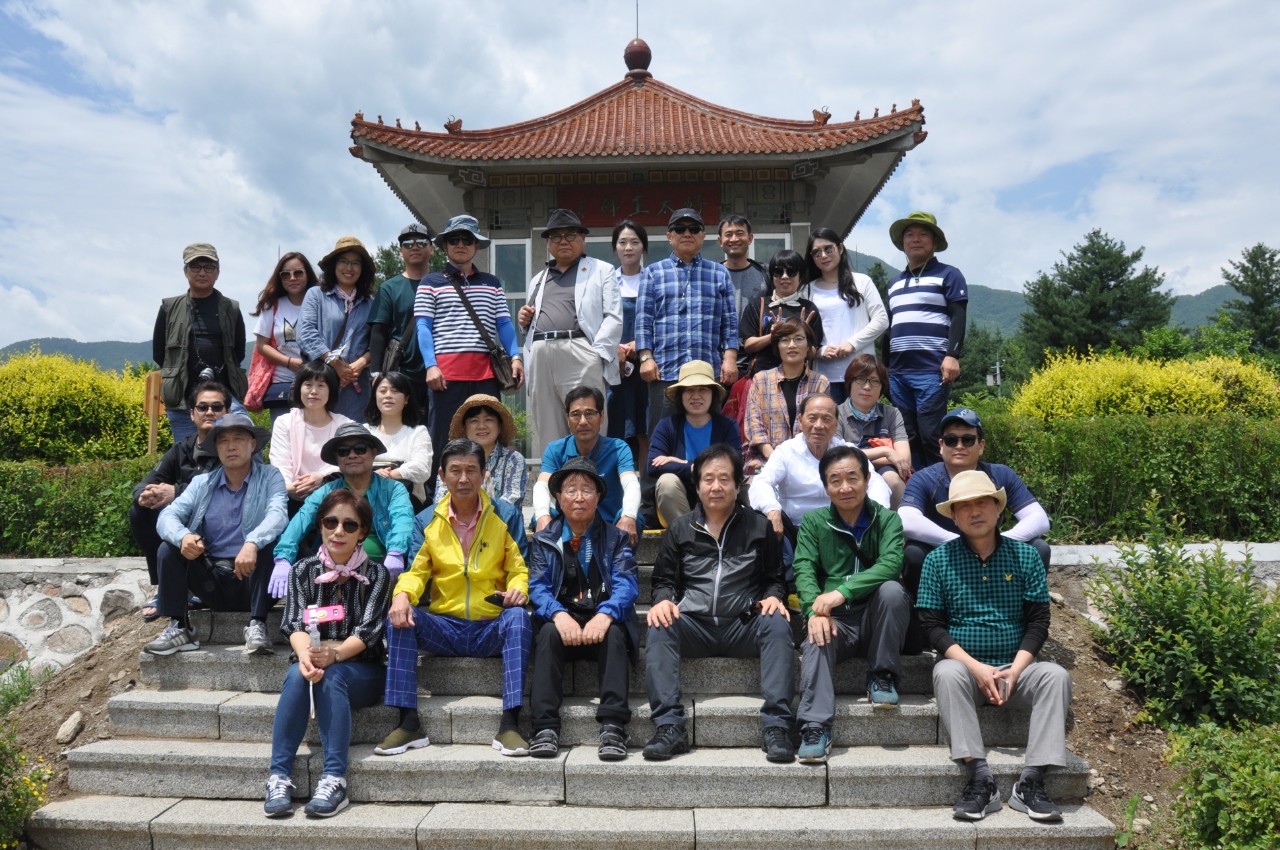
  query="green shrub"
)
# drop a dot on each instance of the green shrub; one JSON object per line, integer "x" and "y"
{"x": 1230, "y": 796}
{"x": 23, "y": 788}
{"x": 60, "y": 410}
{"x": 1193, "y": 633}
{"x": 77, "y": 511}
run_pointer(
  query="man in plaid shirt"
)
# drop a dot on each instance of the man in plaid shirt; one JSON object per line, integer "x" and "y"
{"x": 984, "y": 603}
{"x": 685, "y": 311}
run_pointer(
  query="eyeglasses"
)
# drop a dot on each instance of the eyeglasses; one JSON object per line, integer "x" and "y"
{"x": 583, "y": 414}
{"x": 867, "y": 382}
{"x": 798, "y": 339}
{"x": 350, "y": 526}
{"x": 785, "y": 272}
{"x": 357, "y": 449}
{"x": 578, "y": 494}
{"x": 350, "y": 264}
{"x": 824, "y": 250}
{"x": 415, "y": 243}
{"x": 202, "y": 267}
{"x": 564, "y": 237}
{"x": 290, "y": 275}
{"x": 682, "y": 229}
{"x": 216, "y": 407}
{"x": 460, "y": 239}
{"x": 966, "y": 440}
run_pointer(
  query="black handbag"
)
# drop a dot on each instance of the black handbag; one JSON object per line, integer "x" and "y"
{"x": 394, "y": 352}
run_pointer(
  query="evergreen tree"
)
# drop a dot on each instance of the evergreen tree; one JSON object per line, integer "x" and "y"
{"x": 1257, "y": 278}
{"x": 1095, "y": 297}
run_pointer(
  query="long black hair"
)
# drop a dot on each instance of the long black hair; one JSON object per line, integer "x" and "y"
{"x": 847, "y": 288}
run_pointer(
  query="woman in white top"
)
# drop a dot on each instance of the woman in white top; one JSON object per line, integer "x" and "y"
{"x": 393, "y": 419}
{"x": 279, "y": 305}
{"x": 853, "y": 316}
{"x": 627, "y": 410}
{"x": 298, "y": 436}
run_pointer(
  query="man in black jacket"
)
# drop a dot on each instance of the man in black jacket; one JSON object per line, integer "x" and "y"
{"x": 184, "y": 460}
{"x": 719, "y": 590}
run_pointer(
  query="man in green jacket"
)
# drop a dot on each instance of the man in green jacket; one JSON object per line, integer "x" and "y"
{"x": 847, "y": 563}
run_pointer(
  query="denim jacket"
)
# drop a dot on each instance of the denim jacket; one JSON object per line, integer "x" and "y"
{"x": 262, "y": 518}
{"x": 322, "y": 315}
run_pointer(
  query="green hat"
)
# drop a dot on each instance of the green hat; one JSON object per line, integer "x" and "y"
{"x": 923, "y": 219}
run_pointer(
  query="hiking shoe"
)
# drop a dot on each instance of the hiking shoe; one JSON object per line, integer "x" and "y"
{"x": 510, "y": 742}
{"x": 175, "y": 638}
{"x": 613, "y": 742}
{"x": 330, "y": 797}
{"x": 256, "y": 641}
{"x": 815, "y": 744}
{"x": 776, "y": 743}
{"x": 401, "y": 740}
{"x": 279, "y": 802}
{"x": 545, "y": 744}
{"x": 670, "y": 739}
{"x": 882, "y": 690}
{"x": 1030, "y": 797}
{"x": 981, "y": 797}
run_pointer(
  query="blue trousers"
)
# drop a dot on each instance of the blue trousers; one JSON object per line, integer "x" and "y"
{"x": 510, "y": 635}
{"x": 922, "y": 399}
{"x": 345, "y": 687}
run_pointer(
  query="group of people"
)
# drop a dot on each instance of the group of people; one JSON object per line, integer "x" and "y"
{"x": 815, "y": 499}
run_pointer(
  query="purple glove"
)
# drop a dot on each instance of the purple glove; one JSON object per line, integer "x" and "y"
{"x": 278, "y": 584}
{"x": 394, "y": 562}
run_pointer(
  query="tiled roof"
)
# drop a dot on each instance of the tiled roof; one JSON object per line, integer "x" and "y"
{"x": 639, "y": 118}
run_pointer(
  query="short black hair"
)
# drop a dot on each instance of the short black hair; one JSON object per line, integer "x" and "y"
{"x": 810, "y": 397}
{"x": 839, "y": 453}
{"x": 461, "y": 447}
{"x": 583, "y": 391}
{"x": 209, "y": 387}
{"x": 634, "y": 227}
{"x": 733, "y": 218}
{"x": 310, "y": 371}
{"x": 716, "y": 451}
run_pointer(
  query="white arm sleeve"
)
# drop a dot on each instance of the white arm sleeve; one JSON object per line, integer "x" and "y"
{"x": 630, "y": 494}
{"x": 1032, "y": 522}
{"x": 541, "y": 498}
{"x": 916, "y": 526}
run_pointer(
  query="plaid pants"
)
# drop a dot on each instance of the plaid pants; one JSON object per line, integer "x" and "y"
{"x": 510, "y": 634}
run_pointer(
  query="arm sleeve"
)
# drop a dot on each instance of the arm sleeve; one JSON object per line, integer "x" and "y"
{"x": 917, "y": 526}
{"x": 610, "y": 332}
{"x": 624, "y": 586}
{"x": 644, "y": 312}
{"x": 158, "y": 335}
{"x": 287, "y": 545}
{"x": 377, "y": 345}
{"x": 413, "y": 581}
{"x": 753, "y": 426}
{"x": 401, "y": 510}
{"x": 542, "y": 497}
{"x": 878, "y": 490}
{"x": 749, "y": 322}
{"x": 241, "y": 338}
{"x": 1035, "y": 619}
{"x": 728, "y": 315}
{"x": 516, "y": 568}
{"x": 426, "y": 342}
{"x": 417, "y": 465}
{"x": 957, "y": 310}
{"x": 663, "y": 443}
{"x": 630, "y": 494}
{"x": 164, "y": 472}
{"x": 373, "y": 617}
{"x": 171, "y": 524}
{"x": 934, "y": 623}
{"x": 775, "y": 569}
{"x": 515, "y": 527}
{"x": 541, "y": 591}
{"x": 666, "y": 567}
{"x": 1032, "y": 522}
{"x": 888, "y": 559}
{"x": 276, "y": 517}
{"x": 507, "y": 335}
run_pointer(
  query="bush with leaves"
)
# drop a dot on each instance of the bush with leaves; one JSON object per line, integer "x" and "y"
{"x": 23, "y": 786}
{"x": 1230, "y": 795}
{"x": 1197, "y": 637}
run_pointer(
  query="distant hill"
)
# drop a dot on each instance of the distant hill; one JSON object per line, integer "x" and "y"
{"x": 110, "y": 354}
{"x": 1191, "y": 311}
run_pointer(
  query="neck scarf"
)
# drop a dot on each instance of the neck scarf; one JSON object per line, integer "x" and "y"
{"x": 859, "y": 415}
{"x": 333, "y": 571}
{"x": 792, "y": 300}
{"x": 348, "y": 298}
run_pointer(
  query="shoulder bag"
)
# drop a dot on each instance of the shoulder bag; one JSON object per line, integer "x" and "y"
{"x": 498, "y": 359}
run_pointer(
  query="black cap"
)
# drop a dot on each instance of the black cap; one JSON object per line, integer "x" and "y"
{"x": 684, "y": 212}
{"x": 577, "y": 466}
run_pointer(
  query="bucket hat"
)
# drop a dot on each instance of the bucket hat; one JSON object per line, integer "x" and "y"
{"x": 562, "y": 219}
{"x": 924, "y": 219}
{"x": 461, "y": 224}
{"x": 344, "y": 244}
{"x": 969, "y": 485}
{"x": 457, "y": 428}
{"x": 697, "y": 373}
{"x": 231, "y": 422}
{"x": 350, "y": 431}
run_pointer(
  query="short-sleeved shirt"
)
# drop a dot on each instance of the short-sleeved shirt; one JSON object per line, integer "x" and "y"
{"x": 280, "y": 324}
{"x": 919, "y": 318}
{"x": 929, "y": 486}
{"x": 983, "y": 600}
{"x": 611, "y": 456}
{"x": 748, "y": 285}
{"x": 696, "y": 439}
{"x": 558, "y": 312}
{"x": 393, "y": 307}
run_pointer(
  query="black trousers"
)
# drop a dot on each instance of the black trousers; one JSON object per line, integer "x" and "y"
{"x": 220, "y": 590}
{"x": 549, "y": 657}
{"x": 142, "y": 522}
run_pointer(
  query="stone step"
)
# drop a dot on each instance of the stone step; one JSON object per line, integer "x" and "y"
{"x": 706, "y": 777}
{"x": 227, "y": 667}
{"x": 136, "y": 823}
{"x": 714, "y": 721}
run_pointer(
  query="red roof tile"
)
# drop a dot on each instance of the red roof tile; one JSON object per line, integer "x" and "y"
{"x": 645, "y": 118}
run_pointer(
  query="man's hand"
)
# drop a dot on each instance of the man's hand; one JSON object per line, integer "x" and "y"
{"x": 663, "y": 614}
{"x": 435, "y": 379}
{"x": 729, "y": 368}
{"x": 156, "y": 495}
{"x": 570, "y": 631}
{"x": 192, "y": 546}
{"x": 596, "y": 628}
{"x": 514, "y": 597}
{"x": 627, "y": 525}
{"x": 517, "y": 371}
{"x": 773, "y": 605}
{"x": 525, "y": 317}
{"x": 1010, "y": 676}
{"x": 401, "y": 613}
{"x": 950, "y": 369}
{"x": 828, "y": 602}
{"x": 822, "y": 630}
{"x": 246, "y": 560}
{"x": 985, "y": 675}
{"x": 625, "y": 350}
{"x": 649, "y": 370}
{"x": 775, "y": 519}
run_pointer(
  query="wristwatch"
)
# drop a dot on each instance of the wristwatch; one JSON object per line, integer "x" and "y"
{"x": 646, "y": 357}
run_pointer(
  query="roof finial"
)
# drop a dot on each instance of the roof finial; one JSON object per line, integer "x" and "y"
{"x": 637, "y": 55}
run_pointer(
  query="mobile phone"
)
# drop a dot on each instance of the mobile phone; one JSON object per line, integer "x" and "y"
{"x": 496, "y": 599}
{"x": 1003, "y": 683}
{"x": 323, "y": 614}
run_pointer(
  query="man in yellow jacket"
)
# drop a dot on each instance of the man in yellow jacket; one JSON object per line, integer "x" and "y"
{"x": 478, "y": 584}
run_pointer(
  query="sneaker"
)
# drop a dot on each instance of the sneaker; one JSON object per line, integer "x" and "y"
{"x": 981, "y": 797}
{"x": 279, "y": 802}
{"x": 776, "y": 743}
{"x": 670, "y": 739}
{"x": 330, "y": 797}
{"x": 175, "y": 638}
{"x": 882, "y": 690}
{"x": 256, "y": 641}
{"x": 815, "y": 744}
{"x": 545, "y": 744}
{"x": 1030, "y": 797}
{"x": 510, "y": 742}
{"x": 613, "y": 742}
{"x": 401, "y": 740}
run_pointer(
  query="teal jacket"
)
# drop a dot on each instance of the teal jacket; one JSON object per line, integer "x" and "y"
{"x": 392, "y": 517}
{"x": 825, "y": 560}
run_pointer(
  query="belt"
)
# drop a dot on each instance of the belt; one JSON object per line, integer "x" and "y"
{"x": 541, "y": 336}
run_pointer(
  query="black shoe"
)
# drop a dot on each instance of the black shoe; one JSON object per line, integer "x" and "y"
{"x": 981, "y": 797}
{"x": 613, "y": 742}
{"x": 670, "y": 740}
{"x": 776, "y": 742}
{"x": 1030, "y": 797}
{"x": 545, "y": 744}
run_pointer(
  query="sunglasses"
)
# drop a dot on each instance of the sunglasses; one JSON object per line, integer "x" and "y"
{"x": 824, "y": 251}
{"x": 785, "y": 272}
{"x": 682, "y": 229}
{"x": 966, "y": 440}
{"x": 460, "y": 239}
{"x": 415, "y": 243}
{"x": 290, "y": 275}
{"x": 216, "y": 407}
{"x": 359, "y": 450}
{"x": 350, "y": 526}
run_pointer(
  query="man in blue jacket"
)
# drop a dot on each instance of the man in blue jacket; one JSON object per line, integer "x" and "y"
{"x": 582, "y": 582}
{"x": 218, "y": 538}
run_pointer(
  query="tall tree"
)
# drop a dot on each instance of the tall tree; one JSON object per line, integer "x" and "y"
{"x": 1257, "y": 278}
{"x": 1095, "y": 297}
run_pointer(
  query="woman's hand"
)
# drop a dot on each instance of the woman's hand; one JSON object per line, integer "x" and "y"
{"x": 309, "y": 671}
{"x": 305, "y": 485}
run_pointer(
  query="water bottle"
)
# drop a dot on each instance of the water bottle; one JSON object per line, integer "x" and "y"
{"x": 314, "y": 631}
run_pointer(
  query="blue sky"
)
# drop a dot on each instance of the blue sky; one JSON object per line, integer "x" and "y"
{"x": 132, "y": 128}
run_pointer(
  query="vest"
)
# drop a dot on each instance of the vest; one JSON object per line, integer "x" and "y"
{"x": 177, "y": 337}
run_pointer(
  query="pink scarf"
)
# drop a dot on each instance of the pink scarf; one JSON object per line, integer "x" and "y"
{"x": 333, "y": 571}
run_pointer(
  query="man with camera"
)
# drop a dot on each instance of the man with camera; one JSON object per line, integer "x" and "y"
{"x": 218, "y": 537}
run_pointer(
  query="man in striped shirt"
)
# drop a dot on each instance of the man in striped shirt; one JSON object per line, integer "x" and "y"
{"x": 927, "y": 305}
{"x": 453, "y": 348}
